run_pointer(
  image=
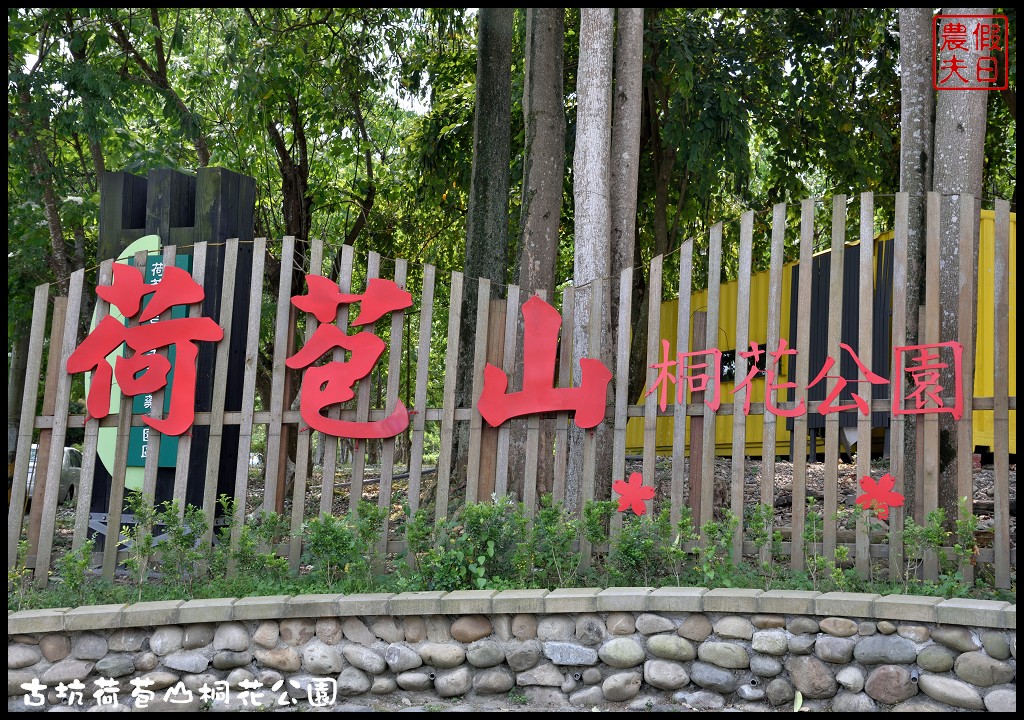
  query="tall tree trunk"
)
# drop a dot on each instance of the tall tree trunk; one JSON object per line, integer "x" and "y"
{"x": 487, "y": 220}
{"x": 625, "y": 165}
{"x": 541, "y": 208}
{"x": 917, "y": 128}
{"x": 960, "y": 120}
{"x": 625, "y": 168}
{"x": 663, "y": 161}
{"x": 591, "y": 180}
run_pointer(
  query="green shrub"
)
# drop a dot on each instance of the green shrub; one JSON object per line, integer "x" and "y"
{"x": 342, "y": 552}
{"x": 483, "y": 547}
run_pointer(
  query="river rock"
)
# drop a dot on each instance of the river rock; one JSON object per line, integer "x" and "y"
{"x": 837, "y": 650}
{"x": 957, "y": 638}
{"x": 230, "y": 636}
{"x": 852, "y": 703}
{"x": 812, "y": 677}
{"x": 771, "y": 642}
{"x": 724, "y": 654}
{"x": 622, "y": 653}
{"x": 696, "y": 628}
{"x": 952, "y": 692}
{"x": 936, "y": 659}
{"x": 485, "y": 654}
{"x": 890, "y": 684}
{"x": 981, "y": 670}
{"x": 452, "y": 682}
{"x": 442, "y": 655}
{"x": 471, "y": 628}
{"x": 365, "y": 659}
{"x": 621, "y": 686}
{"x": 665, "y": 674}
{"x": 838, "y": 627}
{"x": 712, "y": 677}
{"x": 524, "y": 655}
{"x": 885, "y": 650}
{"x": 670, "y": 647}
{"x": 735, "y": 627}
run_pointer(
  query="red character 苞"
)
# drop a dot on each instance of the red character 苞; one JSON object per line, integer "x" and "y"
{"x": 540, "y": 343}
{"x": 333, "y": 382}
{"x": 144, "y": 371}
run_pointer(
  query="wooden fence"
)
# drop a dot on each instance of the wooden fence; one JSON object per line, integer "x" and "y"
{"x": 433, "y": 324}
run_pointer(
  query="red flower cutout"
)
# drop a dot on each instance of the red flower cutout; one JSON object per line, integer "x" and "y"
{"x": 879, "y": 495}
{"x": 633, "y": 493}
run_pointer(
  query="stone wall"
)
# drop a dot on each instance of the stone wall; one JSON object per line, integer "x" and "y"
{"x": 615, "y": 648}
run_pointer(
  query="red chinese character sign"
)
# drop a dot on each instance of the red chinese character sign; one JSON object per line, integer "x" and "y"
{"x": 685, "y": 377}
{"x": 922, "y": 364}
{"x": 541, "y": 323}
{"x": 145, "y": 371}
{"x": 971, "y": 52}
{"x": 334, "y": 382}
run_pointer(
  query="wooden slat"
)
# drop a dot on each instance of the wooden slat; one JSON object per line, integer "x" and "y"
{"x": 622, "y": 385}
{"x": 304, "y": 431}
{"x": 420, "y": 396}
{"x": 677, "y": 501}
{"x": 29, "y": 397}
{"x": 363, "y": 405}
{"x": 864, "y": 351}
{"x": 931, "y": 325}
{"x": 1000, "y": 393}
{"x": 769, "y": 430}
{"x": 331, "y": 441}
{"x": 564, "y": 380}
{"x": 220, "y": 385}
{"x": 897, "y": 422}
{"x": 387, "y": 456}
{"x": 451, "y": 359}
{"x": 803, "y": 345}
{"x": 739, "y": 419}
{"x": 707, "y": 491}
{"x": 282, "y": 328}
{"x": 968, "y": 306}
{"x": 181, "y": 462}
{"x": 483, "y": 307}
{"x": 918, "y": 510}
{"x": 101, "y": 309}
{"x": 532, "y": 448}
{"x": 252, "y": 341}
{"x": 696, "y": 464}
{"x": 117, "y": 480}
{"x": 830, "y": 506}
{"x": 590, "y": 437}
{"x": 509, "y": 356}
{"x": 653, "y": 357}
{"x": 151, "y": 437}
{"x": 494, "y": 349}
{"x": 41, "y": 472}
